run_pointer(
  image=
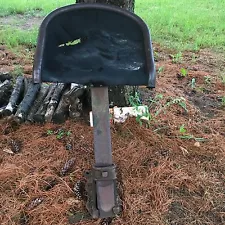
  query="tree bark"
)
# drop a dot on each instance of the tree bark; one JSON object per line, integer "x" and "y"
{"x": 118, "y": 95}
{"x": 126, "y": 4}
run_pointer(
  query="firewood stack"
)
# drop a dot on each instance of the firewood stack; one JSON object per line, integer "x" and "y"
{"x": 39, "y": 103}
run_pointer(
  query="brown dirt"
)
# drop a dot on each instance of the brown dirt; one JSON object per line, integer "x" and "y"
{"x": 166, "y": 177}
{"x": 23, "y": 22}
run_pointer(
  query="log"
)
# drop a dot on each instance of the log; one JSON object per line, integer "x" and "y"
{"x": 25, "y": 105}
{"x": 2, "y": 109}
{"x": 15, "y": 96}
{"x": 5, "y": 76}
{"x": 37, "y": 103}
{"x": 54, "y": 102}
{"x": 75, "y": 109}
{"x": 62, "y": 110}
{"x": 74, "y": 94}
{"x": 5, "y": 92}
{"x": 39, "y": 116}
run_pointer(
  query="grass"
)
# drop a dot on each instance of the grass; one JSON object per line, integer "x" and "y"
{"x": 178, "y": 25}
{"x": 30, "y": 6}
{"x": 16, "y": 37}
{"x": 185, "y": 24}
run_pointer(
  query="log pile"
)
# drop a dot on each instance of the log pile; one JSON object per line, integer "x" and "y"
{"x": 24, "y": 101}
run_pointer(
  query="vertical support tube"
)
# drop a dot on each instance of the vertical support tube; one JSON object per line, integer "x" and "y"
{"x": 102, "y": 147}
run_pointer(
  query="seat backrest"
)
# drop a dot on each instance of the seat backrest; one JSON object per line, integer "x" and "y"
{"x": 94, "y": 44}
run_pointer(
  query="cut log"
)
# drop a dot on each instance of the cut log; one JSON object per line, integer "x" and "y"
{"x": 54, "y": 102}
{"x": 5, "y": 76}
{"x": 5, "y": 92}
{"x": 39, "y": 116}
{"x": 2, "y": 109}
{"x": 15, "y": 96}
{"x": 62, "y": 110}
{"x": 75, "y": 109}
{"x": 69, "y": 104}
{"x": 39, "y": 100}
{"x": 73, "y": 95}
{"x": 25, "y": 105}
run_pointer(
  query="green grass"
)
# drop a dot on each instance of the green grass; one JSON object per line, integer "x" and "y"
{"x": 9, "y": 7}
{"x": 185, "y": 24}
{"x": 15, "y": 37}
{"x": 176, "y": 24}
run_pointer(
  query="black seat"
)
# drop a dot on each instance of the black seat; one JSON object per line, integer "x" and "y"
{"x": 94, "y": 44}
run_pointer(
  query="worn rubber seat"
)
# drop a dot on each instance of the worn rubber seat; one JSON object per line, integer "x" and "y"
{"x": 94, "y": 44}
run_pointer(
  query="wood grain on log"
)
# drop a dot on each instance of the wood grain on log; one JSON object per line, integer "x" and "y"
{"x": 54, "y": 102}
{"x": 39, "y": 116}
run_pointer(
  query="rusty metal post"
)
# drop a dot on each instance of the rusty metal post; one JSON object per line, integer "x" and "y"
{"x": 105, "y": 189}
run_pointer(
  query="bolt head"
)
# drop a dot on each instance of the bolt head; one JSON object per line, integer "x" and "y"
{"x": 105, "y": 174}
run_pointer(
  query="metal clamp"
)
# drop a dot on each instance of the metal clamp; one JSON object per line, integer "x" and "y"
{"x": 110, "y": 205}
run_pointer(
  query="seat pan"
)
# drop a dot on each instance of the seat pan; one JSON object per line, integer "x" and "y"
{"x": 94, "y": 44}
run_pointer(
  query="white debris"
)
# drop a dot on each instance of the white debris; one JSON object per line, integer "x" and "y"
{"x": 8, "y": 151}
{"x": 120, "y": 114}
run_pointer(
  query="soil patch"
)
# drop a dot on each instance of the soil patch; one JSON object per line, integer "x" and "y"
{"x": 23, "y": 22}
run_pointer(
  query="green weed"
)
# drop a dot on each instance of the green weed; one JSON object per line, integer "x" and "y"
{"x": 182, "y": 129}
{"x": 208, "y": 79}
{"x": 177, "y": 58}
{"x": 223, "y": 101}
{"x": 50, "y": 132}
{"x": 222, "y": 78}
{"x": 180, "y": 101}
{"x": 193, "y": 83}
{"x": 60, "y": 133}
{"x": 134, "y": 100}
{"x": 192, "y": 137}
{"x": 186, "y": 136}
{"x": 183, "y": 72}
{"x": 161, "y": 69}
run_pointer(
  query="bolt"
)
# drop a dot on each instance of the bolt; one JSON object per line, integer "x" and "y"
{"x": 105, "y": 174}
